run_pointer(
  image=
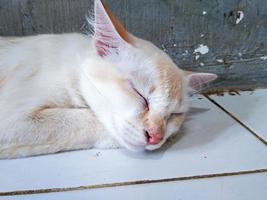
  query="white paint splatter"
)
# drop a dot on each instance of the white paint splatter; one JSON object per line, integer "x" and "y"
{"x": 240, "y": 16}
{"x": 240, "y": 54}
{"x": 202, "y": 49}
{"x": 202, "y": 35}
{"x": 201, "y": 64}
{"x": 185, "y": 53}
{"x": 197, "y": 57}
{"x": 174, "y": 45}
{"x": 219, "y": 60}
{"x": 264, "y": 57}
{"x": 204, "y": 12}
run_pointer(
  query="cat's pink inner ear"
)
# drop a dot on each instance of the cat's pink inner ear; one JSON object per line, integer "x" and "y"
{"x": 109, "y": 35}
{"x": 197, "y": 80}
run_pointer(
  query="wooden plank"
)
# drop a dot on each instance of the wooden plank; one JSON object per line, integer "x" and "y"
{"x": 178, "y": 26}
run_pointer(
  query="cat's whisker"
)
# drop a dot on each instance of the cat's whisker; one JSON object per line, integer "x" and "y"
{"x": 129, "y": 130}
{"x": 199, "y": 90}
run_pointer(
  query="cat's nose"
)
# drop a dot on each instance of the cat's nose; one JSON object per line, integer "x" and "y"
{"x": 154, "y": 137}
{"x": 154, "y": 126}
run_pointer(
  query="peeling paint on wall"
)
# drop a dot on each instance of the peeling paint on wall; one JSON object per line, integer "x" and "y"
{"x": 202, "y": 49}
{"x": 179, "y": 27}
{"x": 240, "y": 16}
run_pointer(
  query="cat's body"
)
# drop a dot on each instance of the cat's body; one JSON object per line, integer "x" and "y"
{"x": 42, "y": 95}
{"x": 73, "y": 91}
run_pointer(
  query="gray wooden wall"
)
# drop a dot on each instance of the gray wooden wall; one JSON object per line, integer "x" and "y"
{"x": 236, "y": 51}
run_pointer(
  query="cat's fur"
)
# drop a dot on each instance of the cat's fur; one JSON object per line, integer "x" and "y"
{"x": 74, "y": 91}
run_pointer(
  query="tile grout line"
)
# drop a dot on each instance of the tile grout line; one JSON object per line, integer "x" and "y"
{"x": 120, "y": 184}
{"x": 237, "y": 120}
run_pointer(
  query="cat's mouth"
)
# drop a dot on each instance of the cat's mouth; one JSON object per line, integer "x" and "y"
{"x": 154, "y": 143}
{"x": 148, "y": 143}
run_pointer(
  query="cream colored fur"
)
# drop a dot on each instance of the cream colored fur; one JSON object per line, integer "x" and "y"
{"x": 58, "y": 93}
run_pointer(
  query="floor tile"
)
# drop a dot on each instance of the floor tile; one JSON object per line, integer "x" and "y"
{"x": 211, "y": 142}
{"x": 249, "y": 107}
{"x": 244, "y": 187}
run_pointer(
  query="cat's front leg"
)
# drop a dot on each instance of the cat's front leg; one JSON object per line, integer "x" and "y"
{"x": 53, "y": 130}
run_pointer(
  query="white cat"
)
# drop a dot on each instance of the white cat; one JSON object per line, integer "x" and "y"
{"x": 75, "y": 91}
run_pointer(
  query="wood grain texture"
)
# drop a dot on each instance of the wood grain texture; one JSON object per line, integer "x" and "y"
{"x": 177, "y": 26}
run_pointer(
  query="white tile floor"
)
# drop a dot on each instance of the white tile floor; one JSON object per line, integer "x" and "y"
{"x": 211, "y": 143}
{"x": 250, "y": 108}
{"x": 246, "y": 187}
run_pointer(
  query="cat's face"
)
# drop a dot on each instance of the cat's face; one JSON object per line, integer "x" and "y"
{"x": 161, "y": 88}
{"x": 164, "y": 87}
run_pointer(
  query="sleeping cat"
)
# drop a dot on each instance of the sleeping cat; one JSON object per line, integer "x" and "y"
{"x": 74, "y": 91}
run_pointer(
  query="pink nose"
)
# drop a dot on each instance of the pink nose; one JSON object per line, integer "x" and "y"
{"x": 154, "y": 137}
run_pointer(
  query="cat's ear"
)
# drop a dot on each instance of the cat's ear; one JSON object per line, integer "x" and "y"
{"x": 197, "y": 80}
{"x": 109, "y": 34}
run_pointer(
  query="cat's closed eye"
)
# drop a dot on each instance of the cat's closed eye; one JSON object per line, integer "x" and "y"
{"x": 146, "y": 104}
{"x": 142, "y": 96}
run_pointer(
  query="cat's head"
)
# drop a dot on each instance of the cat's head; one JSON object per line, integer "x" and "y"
{"x": 151, "y": 73}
